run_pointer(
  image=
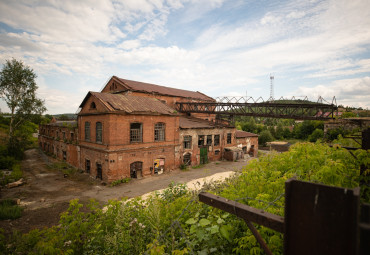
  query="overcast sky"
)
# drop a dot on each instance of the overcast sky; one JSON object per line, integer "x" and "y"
{"x": 217, "y": 47}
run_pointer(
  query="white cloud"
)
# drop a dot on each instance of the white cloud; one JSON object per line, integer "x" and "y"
{"x": 348, "y": 92}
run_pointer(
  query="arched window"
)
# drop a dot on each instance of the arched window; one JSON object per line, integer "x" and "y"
{"x": 136, "y": 169}
{"x": 92, "y": 105}
{"x": 159, "y": 131}
{"x": 99, "y": 132}
{"x": 87, "y": 131}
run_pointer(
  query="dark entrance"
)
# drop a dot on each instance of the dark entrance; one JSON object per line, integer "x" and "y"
{"x": 87, "y": 166}
{"x": 203, "y": 155}
{"x": 136, "y": 169}
{"x": 99, "y": 171}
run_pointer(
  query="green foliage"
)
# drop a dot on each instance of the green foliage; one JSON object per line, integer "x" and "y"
{"x": 9, "y": 210}
{"x": 265, "y": 137}
{"x": 175, "y": 222}
{"x": 333, "y": 134}
{"x": 7, "y": 162}
{"x": 317, "y": 134}
{"x": 117, "y": 182}
{"x": 18, "y": 90}
{"x": 15, "y": 175}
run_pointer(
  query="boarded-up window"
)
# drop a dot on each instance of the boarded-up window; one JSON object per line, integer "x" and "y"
{"x": 217, "y": 140}
{"x": 201, "y": 140}
{"x": 159, "y": 131}
{"x": 136, "y": 133}
{"x": 228, "y": 138}
{"x": 187, "y": 142}
{"x": 87, "y": 131}
{"x": 187, "y": 159}
{"x": 99, "y": 132}
{"x": 209, "y": 139}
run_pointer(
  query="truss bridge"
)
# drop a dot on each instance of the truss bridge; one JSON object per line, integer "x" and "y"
{"x": 293, "y": 108}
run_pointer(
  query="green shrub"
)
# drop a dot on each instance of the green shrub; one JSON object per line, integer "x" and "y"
{"x": 7, "y": 162}
{"x": 317, "y": 134}
{"x": 117, "y": 182}
{"x": 9, "y": 210}
{"x": 15, "y": 175}
{"x": 265, "y": 137}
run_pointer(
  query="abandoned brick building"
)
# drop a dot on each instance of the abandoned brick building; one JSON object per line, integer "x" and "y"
{"x": 131, "y": 129}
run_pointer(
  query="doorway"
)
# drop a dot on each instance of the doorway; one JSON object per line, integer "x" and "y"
{"x": 203, "y": 155}
{"x": 136, "y": 169}
{"x": 159, "y": 166}
{"x": 99, "y": 171}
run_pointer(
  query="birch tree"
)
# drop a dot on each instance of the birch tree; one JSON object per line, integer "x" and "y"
{"x": 18, "y": 90}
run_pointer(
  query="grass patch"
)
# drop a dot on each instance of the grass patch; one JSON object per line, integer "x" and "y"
{"x": 117, "y": 182}
{"x": 15, "y": 175}
{"x": 9, "y": 210}
{"x": 64, "y": 168}
{"x": 198, "y": 166}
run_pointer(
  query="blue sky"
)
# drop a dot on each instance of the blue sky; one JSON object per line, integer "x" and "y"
{"x": 221, "y": 48}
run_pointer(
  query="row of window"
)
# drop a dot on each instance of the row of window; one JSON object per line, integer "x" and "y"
{"x": 205, "y": 138}
{"x": 136, "y": 132}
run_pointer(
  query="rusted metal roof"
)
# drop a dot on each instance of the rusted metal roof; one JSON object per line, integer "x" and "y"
{"x": 64, "y": 123}
{"x": 244, "y": 134}
{"x": 162, "y": 90}
{"x": 191, "y": 122}
{"x": 131, "y": 104}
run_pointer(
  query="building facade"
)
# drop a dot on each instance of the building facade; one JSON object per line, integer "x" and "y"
{"x": 131, "y": 129}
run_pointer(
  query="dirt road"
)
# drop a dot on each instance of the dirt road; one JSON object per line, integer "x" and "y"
{"x": 47, "y": 193}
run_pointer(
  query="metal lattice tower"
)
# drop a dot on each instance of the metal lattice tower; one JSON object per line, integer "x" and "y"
{"x": 272, "y": 87}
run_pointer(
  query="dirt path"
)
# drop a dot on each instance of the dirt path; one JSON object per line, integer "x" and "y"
{"x": 47, "y": 193}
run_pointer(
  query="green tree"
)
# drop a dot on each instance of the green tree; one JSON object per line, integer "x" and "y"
{"x": 18, "y": 90}
{"x": 317, "y": 134}
{"x": 265, "y": 137}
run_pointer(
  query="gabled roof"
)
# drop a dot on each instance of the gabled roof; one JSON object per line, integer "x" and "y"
{"x": 162, "y": 90}
{"x": 130, "y": 104}
{"x": 191, "y": 122}
{"x": 244, "y": 134}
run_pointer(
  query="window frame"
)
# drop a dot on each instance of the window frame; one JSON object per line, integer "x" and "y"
{"x": 200, "y": 137}
{"x": 160, "y": 132}
{"x": 229, "y": 138}
{"x": 99, "y": 132}
{"x": 209, "y": 140}
{"x": 139, "y": 136}
{"x": 216, "y": 138}
{"x": 87, "y": 131}
{"x": 187, "y": 144}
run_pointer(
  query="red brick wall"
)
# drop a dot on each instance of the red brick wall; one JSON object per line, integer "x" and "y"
{"x": 249, "y": 142}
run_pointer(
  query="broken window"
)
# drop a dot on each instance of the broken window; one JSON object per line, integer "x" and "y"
{"x": 87, "y": 131}
{"x": 99, "y": 132}
{"x": 187, "y": 142}
{"x": 201, "y": 140}
{"x": 64, "y": 135}
{"x": 159, "y": 131}
{"x": 217, "y": 152}
{"x": 217, "y": 140}
{"x": 228, "y": 138}
{"x": 92, "y": 105}
{"x": 64, "y": 155}
{"x": 187, "y": 159}
{"x": 209, "y": 139}
{"x": 136, "y": 133}
{"x": 72, "y": 135}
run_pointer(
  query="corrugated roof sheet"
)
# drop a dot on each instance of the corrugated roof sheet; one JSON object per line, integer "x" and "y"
{"x": 244, "y": 134}
{"x": 191, "y": 122}
{"x": 132, "y": 104}
{"x": 157, "y": 89}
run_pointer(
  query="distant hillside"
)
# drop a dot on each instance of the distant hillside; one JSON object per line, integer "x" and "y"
{"x": 65, "y": 116}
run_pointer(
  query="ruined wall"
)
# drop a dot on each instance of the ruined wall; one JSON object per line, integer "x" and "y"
{"x": 249, "y": 145}
{"x": 215, "y": 152}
